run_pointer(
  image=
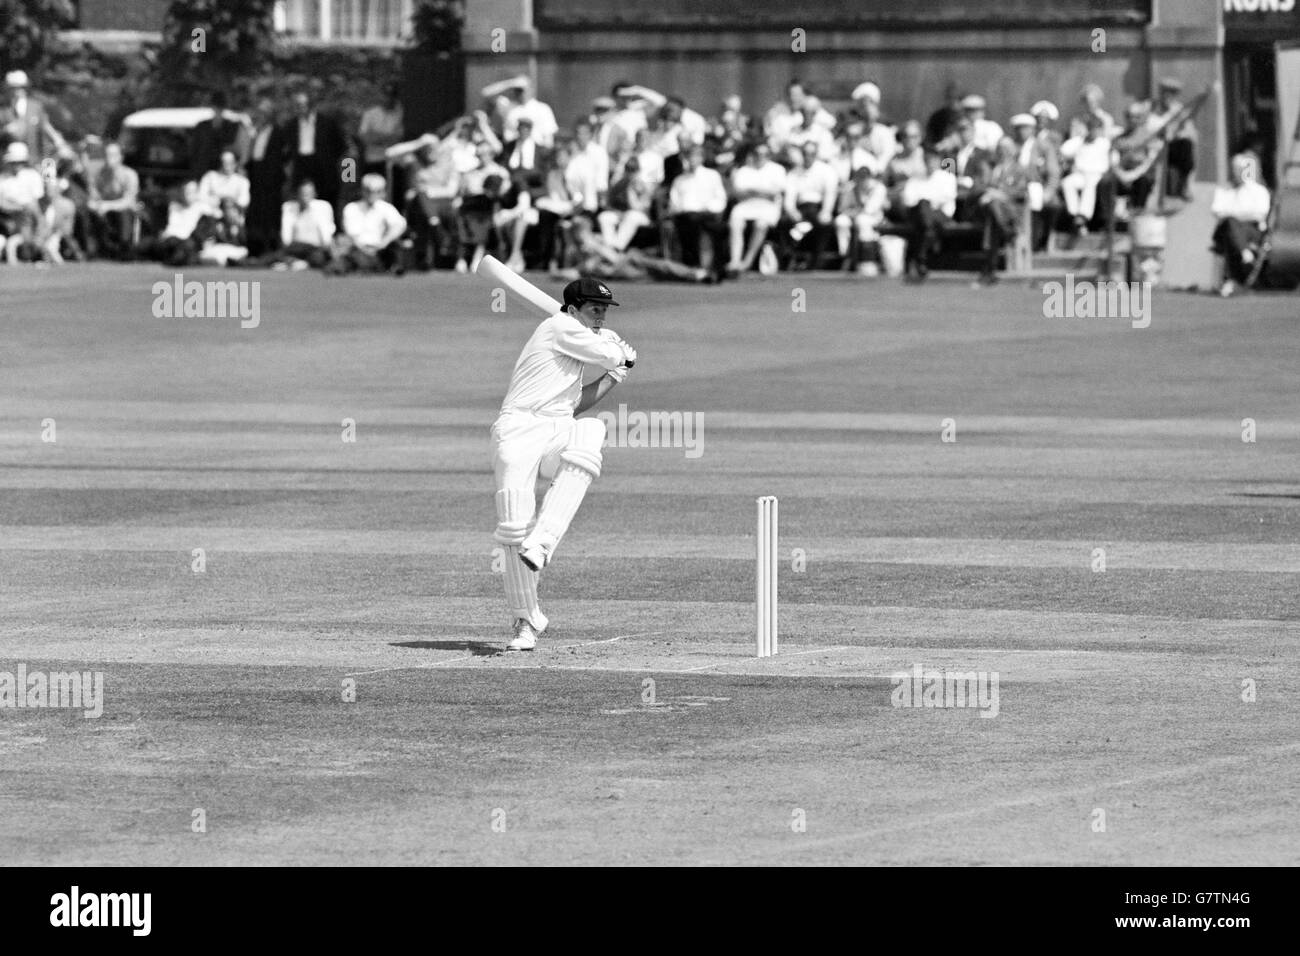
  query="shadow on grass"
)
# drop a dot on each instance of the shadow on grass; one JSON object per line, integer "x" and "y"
{"x": 477, "y": 648}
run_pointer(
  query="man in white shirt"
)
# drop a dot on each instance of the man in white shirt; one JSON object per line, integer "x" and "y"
{"x": 811, "y": 189}
{"x": 758, "y": 188}
{"x": 527, "y": 106}
{"x": 373, "y": 228}
{"x": 931, "y": 203}
{"x": 587, "y": 173}
{"x": 536, "y": 435}
{"x": 987, "y": 132}
{"x": 696, "y": 201}
{"x": 810, "y": 130}
{"x": 306, "y": 230}
{"x": 1242, "y": 209}
{"x": 225, "y": 183}
{"x": 787, "y": 115}
{"x": 113, "y": 194}
{"x": 21, "y": 192}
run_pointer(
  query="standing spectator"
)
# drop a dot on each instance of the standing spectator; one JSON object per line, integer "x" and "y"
{"x": 942, "y": 121}
{"x": 526, "y": 159}
{"x": 1046, "y": 114}
{"x": 1090, "y": 159}
{"x": 372, "y": 230}
{"x": 631, "y": 199}
{"x": 306, "y": 230}
{"x": 1042, "y": 169}
{"x": 650, "y": 160}
{"x": 1242, "y": 210}
{"x": 226, "y": 183}
{"x": 588, "y": 169}
{"x": 811, "y": 189}
{"x": 315, "y": 147}
{"x": 758, "y": 188}
{"x": 1181, "y": 137}
{"x": 861, "y": 214}
{"x": 931, "y": 203}
{"x": 561, "y": 198}
{"x": 1000, "y": 201}
{"x": 787, "y": 114}
{"x": 696, "y": 201}
{"x": 24, "y": 119}
{"x": 526, "y": 105}
{"x": 21, "y": 191}
{"x": 877, "y": 138}
{"x": 265, "y": 178}
{"x": 728, "y": 133}
{"x": 114, "y": 193}
{"x": 188, "y": 224}
{"x": 212, "y": 137}
{"x": 629, "y": 112}
{"x": 381, "y": 127}
{"x": 607, "y": 134}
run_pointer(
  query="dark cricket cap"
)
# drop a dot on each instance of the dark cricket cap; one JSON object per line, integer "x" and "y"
{"x": 587, "y": 289}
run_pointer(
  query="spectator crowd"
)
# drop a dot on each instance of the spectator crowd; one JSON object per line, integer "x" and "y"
{"x": 641, "y": 185}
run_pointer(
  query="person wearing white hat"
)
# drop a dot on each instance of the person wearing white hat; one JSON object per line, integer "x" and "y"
{"x": 25, "y": 119}
{"x": 21, "y": 192}
{"x": 1045, "y": 115}
{"x": 528, "y": 106}
{"x": 1042, "y": 165}
{"x": 987, "y": 132}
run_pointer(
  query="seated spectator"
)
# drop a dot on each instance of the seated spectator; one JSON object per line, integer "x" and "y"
{"x": 430, "y": 202}
{"x": 21, "y": 192}
{"x": 811, "y": 131}
{"x": 475, "y": 209}
{"x": 1090, "y": 161}
{"x": 188, "y": 223}
{"x": 306, "y": 230}
{"x": 1242, "y": 210}
{"x": 594, "y": 257}
{"x": 907, "y": 164}
{"x": 971, "y": 166}
{"x": 372, "y": 232}
{"x": 1091, "y": 98}
{"x": 861, "y": 214}
{"x": 1046, "y": 114}
{"x": 526, "y": 106}
{"x": 987, "y": 132}
{"x": 1001, "y": 201}
{"x": 787, "y": 115}
{"x": 500, "y": 207}
{"x": 629, "y": 114}
{"x": 380, "y": 128}
{"x": 878, "y": 139}
{"x": 555, "y": 208}
{"x": 1181, "y": 137}
{"x": 696, "y": 201}
{"x": 227, "y": 241}
{"x": 225, "y": 183}
{"x": 1042, "y": 167}
{"x": 758, "y": 188}
{"x": 931, "y": 203}
{"x": 649, "y": 160}
{"x": 943, "y": 121}
{"x": 1132, "y": 173}
{"x": 631, "y": 199}
{"x": 811, "y": 190}
{"x": 60, "y": 221}
{"x": 587, "y": 170}
{"x": 728, "y": 133}
{"x": 114, "y": 193}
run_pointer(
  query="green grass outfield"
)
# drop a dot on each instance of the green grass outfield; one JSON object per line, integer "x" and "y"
{"x": 370, "y": 562}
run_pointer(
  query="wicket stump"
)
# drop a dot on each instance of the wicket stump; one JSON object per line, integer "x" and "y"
{"x": 765, "y": 592}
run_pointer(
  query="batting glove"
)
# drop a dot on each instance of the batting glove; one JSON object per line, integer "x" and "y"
{"x": 618, "y": 374}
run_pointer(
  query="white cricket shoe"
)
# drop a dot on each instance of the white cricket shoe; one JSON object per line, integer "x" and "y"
{"x": 534, "y": 556}
{"x": 525, "y": 637}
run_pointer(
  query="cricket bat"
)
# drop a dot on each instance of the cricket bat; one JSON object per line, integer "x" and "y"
{"x": 494, "y": 271}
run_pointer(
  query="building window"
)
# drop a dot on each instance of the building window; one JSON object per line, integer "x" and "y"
{"x": 346, "y": 21}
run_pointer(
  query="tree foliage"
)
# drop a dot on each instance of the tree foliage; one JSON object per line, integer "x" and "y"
{"x": 436, "y": 25}
{"x": 209, "y": 44}
{"x": 27, "y": 26}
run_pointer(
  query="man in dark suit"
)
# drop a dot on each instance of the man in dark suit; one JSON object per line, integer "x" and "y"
{"x": 526, "y": 160}
{"x": 315, "y": 146}
{"x": 971, "y": 165}
{"x": 266, "y": 179}
{"x": 212, "y": 137}
{"x": 24, "y": 119}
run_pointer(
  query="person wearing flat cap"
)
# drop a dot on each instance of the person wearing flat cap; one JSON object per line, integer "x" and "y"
{"x": 24, "y": 119}
{"x": 987, "y": 132}
{"x": 1042, "y": 165}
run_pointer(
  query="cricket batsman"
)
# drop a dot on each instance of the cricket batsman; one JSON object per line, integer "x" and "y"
{"x": 536, "y": 434}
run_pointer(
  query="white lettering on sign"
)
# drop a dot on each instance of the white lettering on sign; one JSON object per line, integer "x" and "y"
{"x": 1258, "y": 6}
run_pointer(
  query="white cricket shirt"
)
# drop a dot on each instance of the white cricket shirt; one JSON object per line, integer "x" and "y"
{"x": 548, "y": 376}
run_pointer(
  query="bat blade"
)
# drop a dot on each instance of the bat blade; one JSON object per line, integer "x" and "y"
{"x": 519, "y": 289}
